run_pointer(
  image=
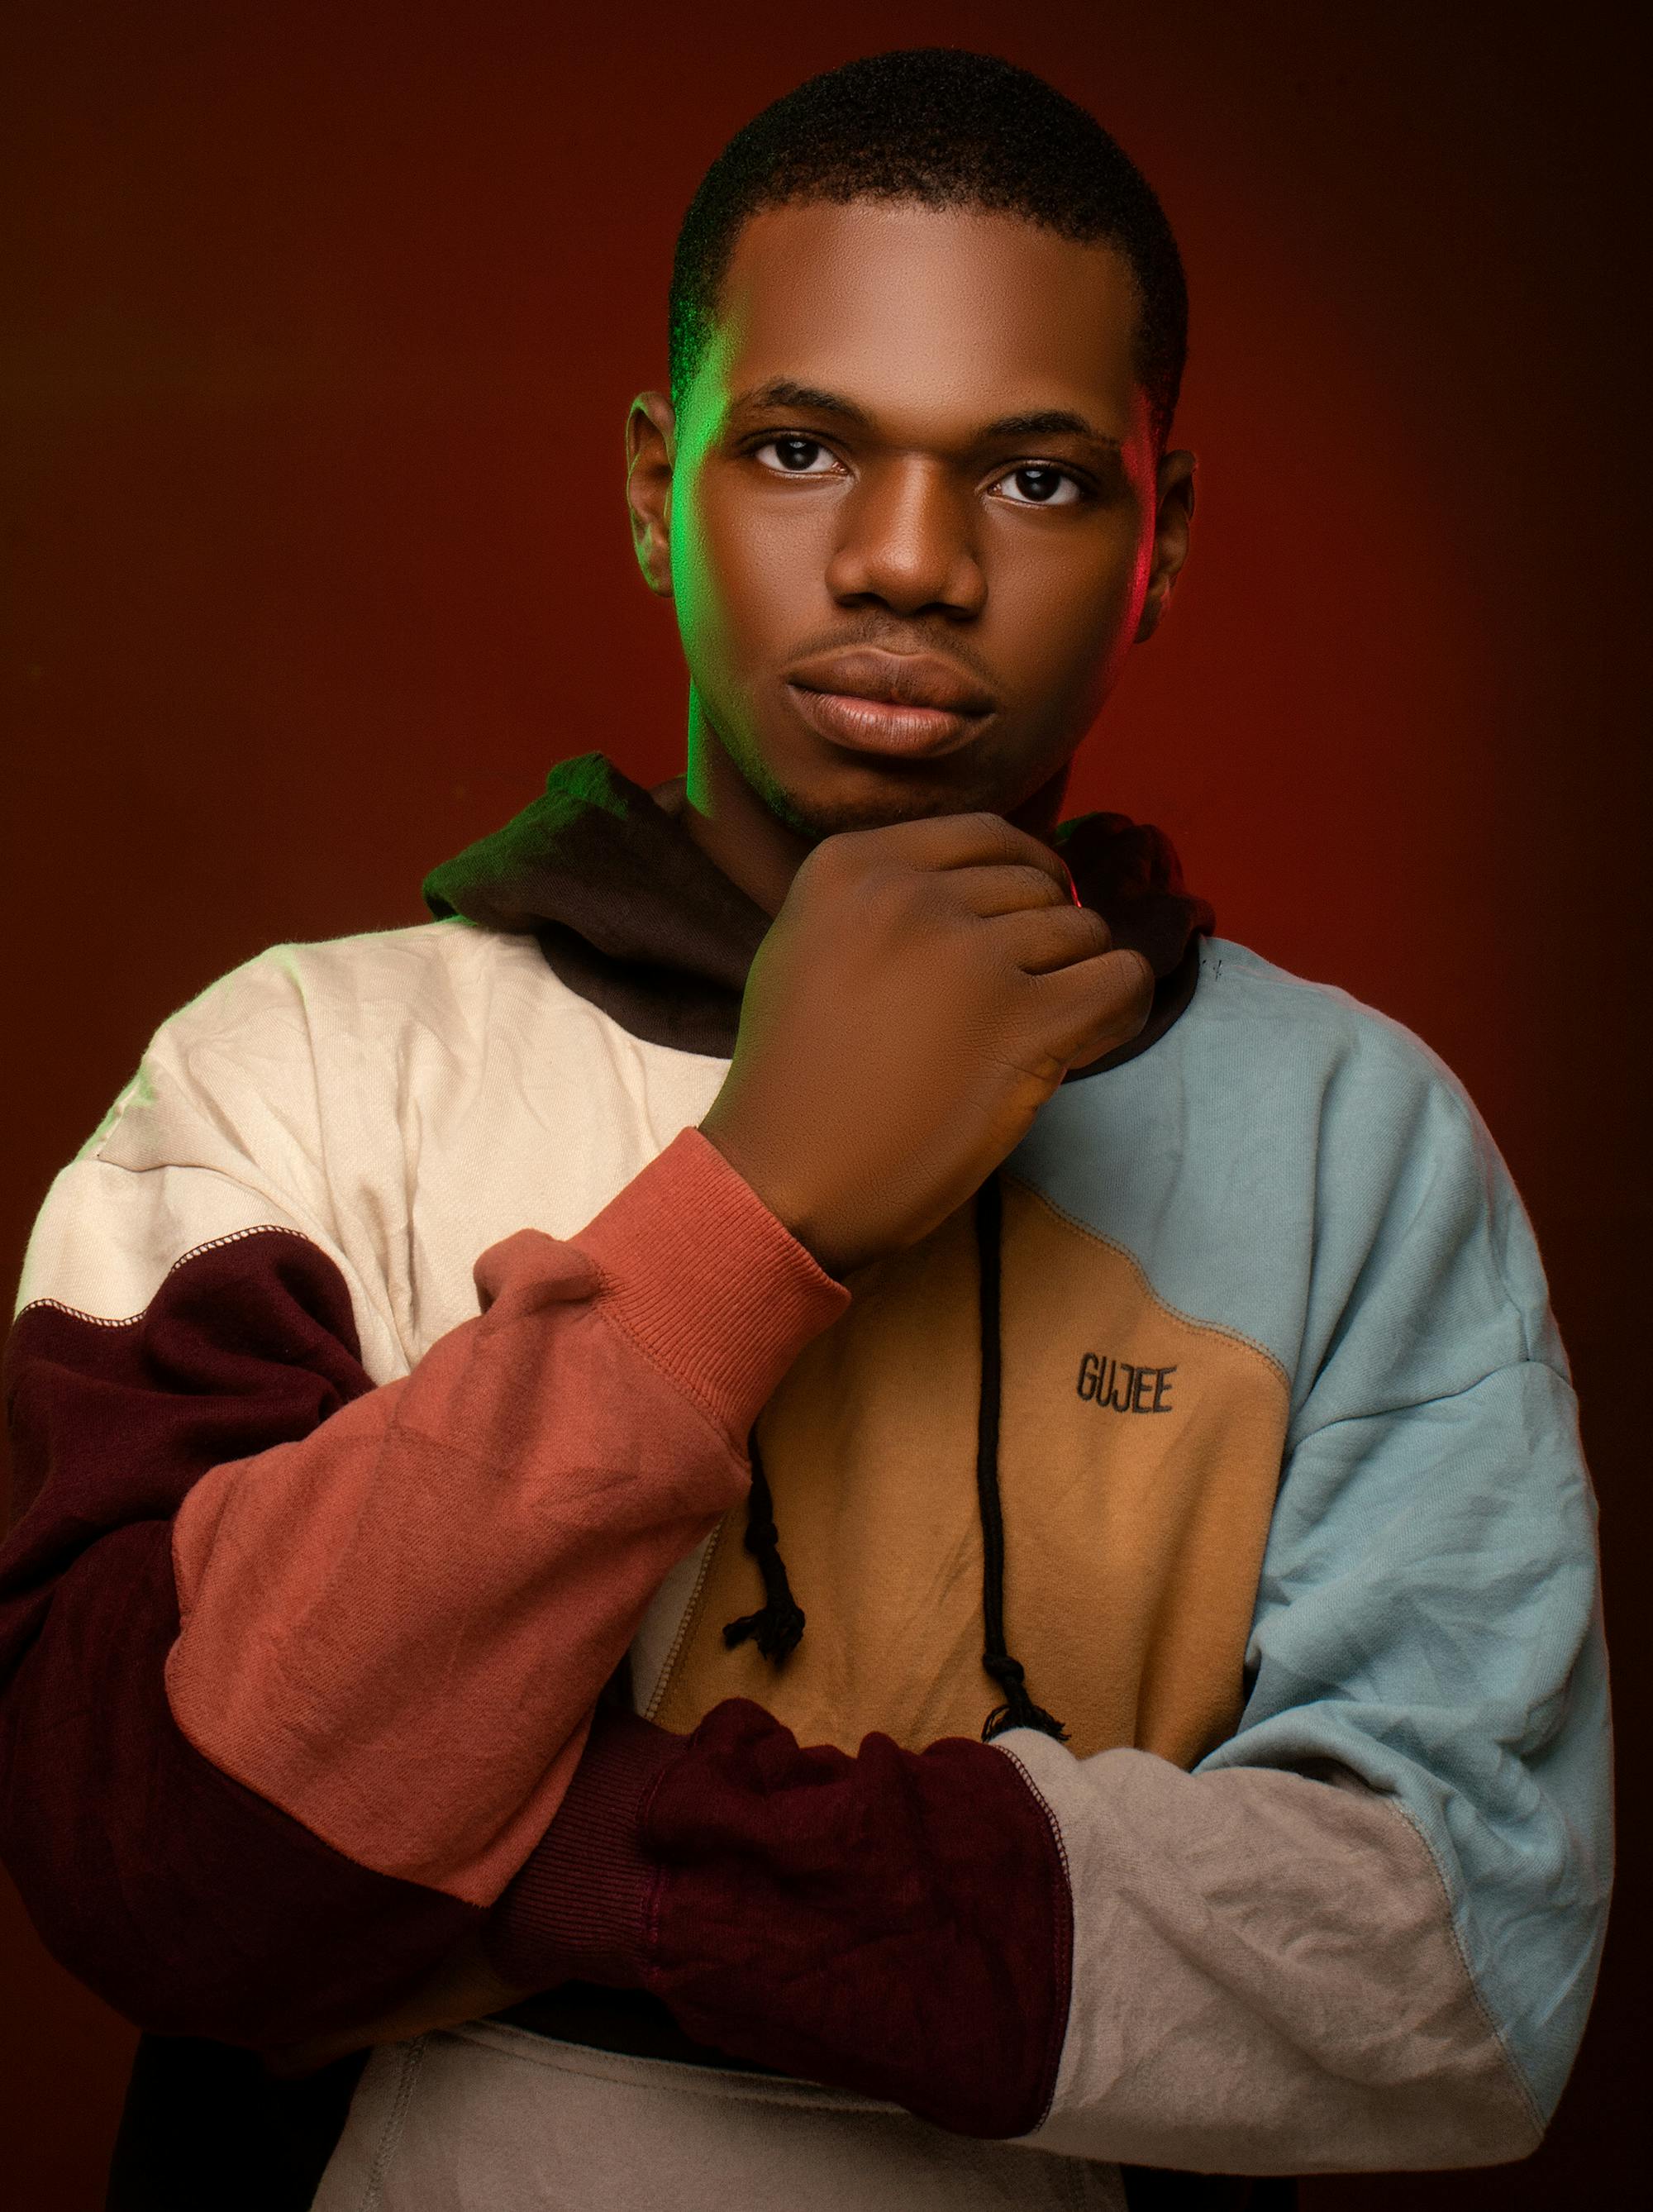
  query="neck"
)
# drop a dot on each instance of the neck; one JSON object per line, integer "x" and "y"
{"x": 730, "y": 823}
{"x": 756, "y": 850}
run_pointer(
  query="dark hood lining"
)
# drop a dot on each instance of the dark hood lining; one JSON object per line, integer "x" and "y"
{"x": 635, "y": 918}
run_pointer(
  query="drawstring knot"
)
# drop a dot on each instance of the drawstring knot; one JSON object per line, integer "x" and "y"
{"x": 1018, "y": 1710}
{"x": 778, "y": 1625}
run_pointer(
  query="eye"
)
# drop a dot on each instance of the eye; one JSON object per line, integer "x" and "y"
{"x": 796, "y": 456}
{"x": 1039, "y": 483}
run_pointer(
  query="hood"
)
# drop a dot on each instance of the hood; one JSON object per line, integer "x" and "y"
{"x": 632, "y": 915}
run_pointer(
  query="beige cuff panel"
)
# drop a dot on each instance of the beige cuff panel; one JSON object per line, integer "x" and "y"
{"x": 1266, "y": 1978}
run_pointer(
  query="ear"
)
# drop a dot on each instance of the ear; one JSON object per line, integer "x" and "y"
{"x": 650, "y": 449}
{"x": 1173, "y": 521}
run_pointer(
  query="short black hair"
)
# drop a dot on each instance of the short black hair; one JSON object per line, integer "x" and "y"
{"x": 946, "y": 129}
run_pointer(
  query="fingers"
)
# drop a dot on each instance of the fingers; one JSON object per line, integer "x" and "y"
{"x": 1038, "y": 938}
{"x": 1012, "y": 887}
{"x": 1091, "y": 1007}
{"x": 952, "y": 840}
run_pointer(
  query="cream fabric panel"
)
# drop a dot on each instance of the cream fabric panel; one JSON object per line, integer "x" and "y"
{"x": 493, "y": 2119}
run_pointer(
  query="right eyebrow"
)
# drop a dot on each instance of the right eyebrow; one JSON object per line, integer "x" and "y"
{"x": 781, "y": 392}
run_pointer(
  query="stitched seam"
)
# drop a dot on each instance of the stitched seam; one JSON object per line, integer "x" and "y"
{"x": 195, "y": 1252}
{"x": 689, "y": 1621}
{"x": 1059, "y": 2031}
{"x": 1112, "y": 1244}
{"x": 657, "y": 1876}
{"x": 390, "y": 2140}
{"x": 1516, "y": 2073}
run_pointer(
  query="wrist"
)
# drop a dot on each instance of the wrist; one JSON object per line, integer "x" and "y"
{"x": 800, "y": 1214}
{"x": 578, "y": 1909}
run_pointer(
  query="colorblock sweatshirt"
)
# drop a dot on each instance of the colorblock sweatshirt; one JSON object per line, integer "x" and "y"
{"x": 391, "y": 1374}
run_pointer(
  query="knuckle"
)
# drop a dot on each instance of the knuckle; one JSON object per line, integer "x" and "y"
{"x": 1038, "y": 887}
{"x": 1087, "y": 927}
{"x": 833, "y": 858}
{"x": 884, "y": 896}
{"x": 1001, "y": 838}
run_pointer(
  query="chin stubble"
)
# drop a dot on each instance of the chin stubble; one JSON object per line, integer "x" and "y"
{"x": 880, "y": 812}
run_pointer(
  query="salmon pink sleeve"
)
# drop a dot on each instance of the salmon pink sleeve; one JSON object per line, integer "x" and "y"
{"x": 294, "y": 1669}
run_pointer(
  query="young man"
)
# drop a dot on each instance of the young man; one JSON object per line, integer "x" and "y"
{"x": 813, "y": 1507}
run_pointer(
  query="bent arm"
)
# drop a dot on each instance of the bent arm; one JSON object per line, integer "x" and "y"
{"x": 293, "y": 1670}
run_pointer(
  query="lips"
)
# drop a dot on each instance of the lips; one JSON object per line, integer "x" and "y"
{"x": 910, "y": 704}
{"x": 896, "y": 679}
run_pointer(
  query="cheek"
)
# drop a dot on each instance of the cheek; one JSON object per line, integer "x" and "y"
{"x": 744, "y": 574}
{"x": 697, "y": 588}
{"x": 1065, "y": 612}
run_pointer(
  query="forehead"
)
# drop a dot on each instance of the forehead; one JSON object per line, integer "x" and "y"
{"x": 923, "y": 313}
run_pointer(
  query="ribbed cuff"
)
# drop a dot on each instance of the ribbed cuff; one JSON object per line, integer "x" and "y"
{"x": 702, "y": 1275}
{"x": 577, "y": 1911}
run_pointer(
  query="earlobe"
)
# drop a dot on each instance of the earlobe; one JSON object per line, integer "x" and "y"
{"x": 650, "y": 453}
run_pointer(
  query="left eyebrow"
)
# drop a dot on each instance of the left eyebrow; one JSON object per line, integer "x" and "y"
{"x": 1051, "y": 422}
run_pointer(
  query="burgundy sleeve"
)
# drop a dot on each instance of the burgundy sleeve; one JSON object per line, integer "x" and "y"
{"x": 188, "y": 1902}
{"x": 897, "y": 1924}
{"x": 294, "y": 1669}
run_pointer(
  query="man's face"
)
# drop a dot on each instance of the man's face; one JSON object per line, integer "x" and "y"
{"x": 910, "y": 518}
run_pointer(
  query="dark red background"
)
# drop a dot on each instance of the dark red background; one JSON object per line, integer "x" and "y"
{"x": 321, "y": 326}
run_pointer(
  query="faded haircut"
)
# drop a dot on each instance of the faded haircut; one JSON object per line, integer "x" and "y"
{"x": 944, "y": 128}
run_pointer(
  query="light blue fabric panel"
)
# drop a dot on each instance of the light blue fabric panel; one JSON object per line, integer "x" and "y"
{"x": 1427, "y": 1618}
{"x": 1294, "y": 1167}
{"x": 1254, "y": 1156}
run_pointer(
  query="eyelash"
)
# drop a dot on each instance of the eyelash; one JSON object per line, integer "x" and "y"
{"x": 1083, "y": 491}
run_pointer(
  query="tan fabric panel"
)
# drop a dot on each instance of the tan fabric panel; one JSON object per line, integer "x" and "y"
{"x": 1135, "y": 1528}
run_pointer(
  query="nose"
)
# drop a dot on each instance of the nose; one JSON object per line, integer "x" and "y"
{"x": 908, "y": 542}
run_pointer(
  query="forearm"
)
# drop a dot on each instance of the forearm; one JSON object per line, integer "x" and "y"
{"x": 395, "y": 1629}
{"x": 326, "y": 1707}
{"x": 1247, "y": 1972}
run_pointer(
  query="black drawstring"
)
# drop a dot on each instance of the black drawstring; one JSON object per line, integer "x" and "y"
{"x": 1018, "y": 1710}
{"x": 776, "y": 1628}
